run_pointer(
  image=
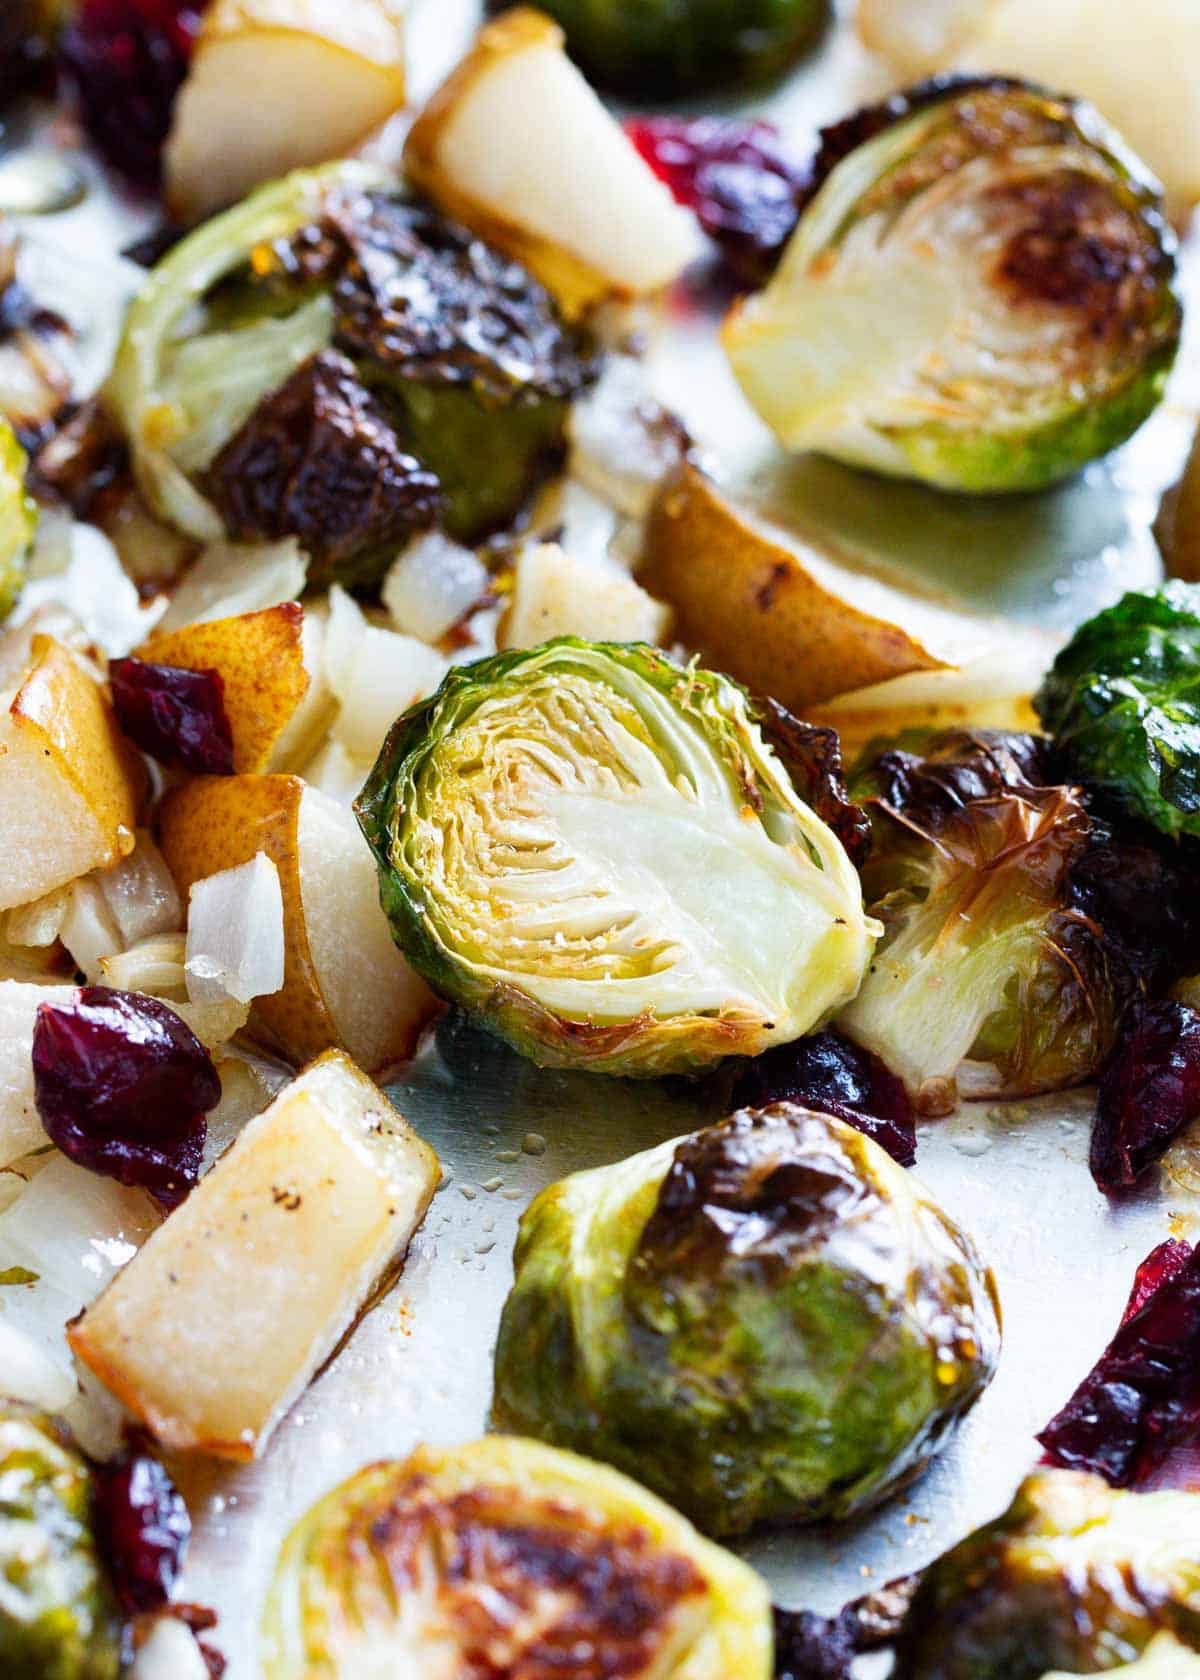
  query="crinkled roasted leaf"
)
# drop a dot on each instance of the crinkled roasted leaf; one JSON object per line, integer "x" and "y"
{"x": 596, "y": 852}
{"x": 704, "y": 1314}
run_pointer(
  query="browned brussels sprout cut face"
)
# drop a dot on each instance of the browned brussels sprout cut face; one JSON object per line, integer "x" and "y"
{"x": 329, "y": 332}
{"x": 508, "y": 1558}
{"x": 58, "y": 1618}
{"x": 1074, "y": 1576}
{"x": 706, "y": 1316}
{"x": 979, "y": 293}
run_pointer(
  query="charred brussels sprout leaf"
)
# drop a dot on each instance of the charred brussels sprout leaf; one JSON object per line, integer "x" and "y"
{"x": 317, "y": 460}
{"x": 1012, "y": 942}
{"x": 450, "y": 367}
{"x": 597, "y": 852}
{"x": 1074, "y": 1576}
{"x": 812, "y": 757}
{"x": 706, "y": 1314}
{"x": 506, "y": 1557}
{"x": 18, "y": 519}
{"x": 58, "y": 1619}
{"x": 666, "y": 48}
{"x": 1122, "y": 701}
{"x": 979, "y": 293}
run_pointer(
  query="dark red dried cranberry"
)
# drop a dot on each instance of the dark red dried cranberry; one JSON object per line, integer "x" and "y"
{"x": 142, "y": 1527}
{"x": 736, "y": 176}
{"x": 176, "y": 716}
{"x": 125, "y": 61}
{"x": 1141, "y": 1401}
{"x": 828, "y": 1073}
{"x": 1149, "y": 1093}
{"x": 812, "y": 1647}
{"x": 122, "y": 1086}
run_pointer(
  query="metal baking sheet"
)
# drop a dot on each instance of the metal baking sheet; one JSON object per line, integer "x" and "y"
{"x": 419, "y": 1366}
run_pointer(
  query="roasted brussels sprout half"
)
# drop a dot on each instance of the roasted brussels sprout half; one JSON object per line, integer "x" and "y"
{"x": 769, "y": 1321}
{"x": 508, "y": 1558}
{"x": 666, "y": 48}
{"x": 332, "y": 361}
{"x": 18, "y": 518}
{"x": 1018, "y": 925}
{"x": 979, "y": 293}
{"x": 1122, "y": 701}
{"x": 595, "y": 851}
{"x": 58, "y": 1618}
{"x": 1074, "y": 1576}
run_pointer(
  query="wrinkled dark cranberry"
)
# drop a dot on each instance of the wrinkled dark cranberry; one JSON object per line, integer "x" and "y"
{"x": 828, "y": 1073}
{"x": 142, "y": 1526}
{"x": 122, "y": 1086}
{"x": 1149, "y": 1093}
{"x": 812, "y": 1647}
{"x": 736, "y": 176}
{"x": 1141, "y": 1401}
{"x": 176, "y": 716}
{"x": 125, "y": 61}
{"x": 812, "y": 757}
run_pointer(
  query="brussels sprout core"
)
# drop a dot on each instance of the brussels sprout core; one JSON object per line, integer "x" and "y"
{"x": 979, "y": 294}
{"x": 1074, "y": 1576}
{"x": 769, "y": 1320}
{"x": 508, "y": 1558}
{"x": 597, "y": 851}
{"x": 58, "y": 1619}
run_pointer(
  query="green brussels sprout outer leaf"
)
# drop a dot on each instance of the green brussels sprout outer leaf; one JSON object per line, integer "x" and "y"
{"x": 596, "y": 852}
{"x": 501, "y": 1557}
{"x": 1122, "y": 701}
{"x": 1076, "y": 1575}
{"x": 981, "y": 294}
{"x": 665, "y": 48}
{"x": 18, "y": 518}
{"x": 58, "y": 1619}
{"x": 989, "y": 979}
{"x": 706, "y": 1314}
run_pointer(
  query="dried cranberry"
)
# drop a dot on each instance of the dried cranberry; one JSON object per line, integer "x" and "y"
{"x": 176, "y": 716}
{"x": 812, "y": 1647}
{"x": 122, "y": 1086}
{"x": 125, "y": 61}
{"x": 833, "y": 1076}
{"x": 142, "y": 1526}
{"x": 744, "y": 188}
{"x": 1150, "y": 1091}
{"x": 1141, "y": 1401}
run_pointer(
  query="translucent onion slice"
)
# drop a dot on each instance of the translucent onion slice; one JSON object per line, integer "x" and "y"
{"x": 235, "y": 940}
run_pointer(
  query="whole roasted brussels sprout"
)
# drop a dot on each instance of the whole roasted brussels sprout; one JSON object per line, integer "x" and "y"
{"x": 331, "y": 361}
{"x": 596, "y": 851}
{"x": 1018, "y": 925}
{"x": 1122, "y": 701}
{"x": 666, "y": 48}
{"x": 18, "y": 518}
{"x": 979, "y": 293}
{"x": 508, "y": 1558}
{"x": 1074, "y": 1576}
{"x": 58, "y": 1619}
{"x": 769, "y": 1321}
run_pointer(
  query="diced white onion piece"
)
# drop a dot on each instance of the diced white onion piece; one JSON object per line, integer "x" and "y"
{"x": 432, "y": 584}
{"x": 29, "y": 1374}
{"x": 40, "y": 923}
{"x": 246, "y": 1089}
{"x": 232, "y": 578}
{"x": 335, "y": 773}
{"x": 153, "y": 965}
{"x": 170, "y": 1652}
{"x": 141, "y": 894}
{"x": 623, "y": 442}
{"x": 76, "y": 1229}
{"x": 20, "y": 1127}
{"x": 375, "y": 674}
{"x": 94, "y": 589}
{"x": 89, "y": 930}
{"x": 214, "y": 1024}
{"x": 235, "y": 940}
{"x": 556, "y": 595}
